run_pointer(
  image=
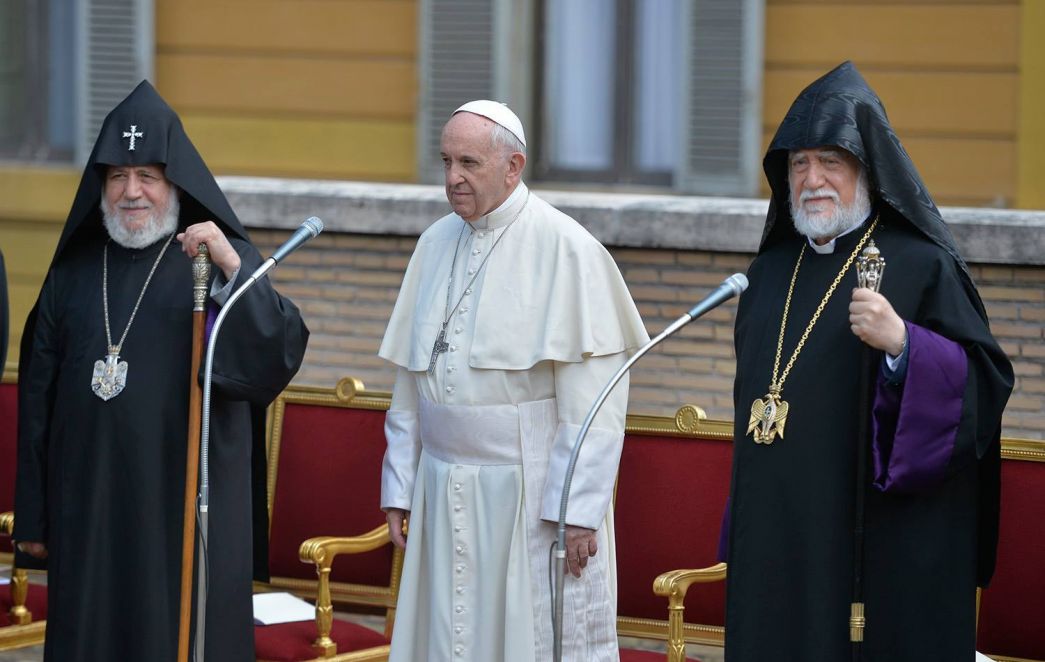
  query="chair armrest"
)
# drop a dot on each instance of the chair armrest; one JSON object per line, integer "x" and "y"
{"x": 321, "y": 551}
{"x": 7, "y": 523}
{"x": 673, "y": 585}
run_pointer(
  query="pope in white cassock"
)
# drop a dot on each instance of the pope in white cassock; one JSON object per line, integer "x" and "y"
{"x": 510, "y": 321}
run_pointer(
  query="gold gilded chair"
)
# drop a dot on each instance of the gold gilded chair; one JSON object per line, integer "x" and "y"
{"x": 665, "y": 528}
{"x": 21, "y": 603}
{"x": 325, "y": 451}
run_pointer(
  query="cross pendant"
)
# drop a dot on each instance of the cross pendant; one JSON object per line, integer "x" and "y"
{"x": 438, "y": 348}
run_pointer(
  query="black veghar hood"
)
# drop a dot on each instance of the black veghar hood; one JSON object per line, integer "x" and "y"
{"x": 162, "y": 140}
{"x": 841, "y": 109}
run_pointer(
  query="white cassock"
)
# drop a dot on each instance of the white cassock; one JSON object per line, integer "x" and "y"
{"x": 477, "y": 451}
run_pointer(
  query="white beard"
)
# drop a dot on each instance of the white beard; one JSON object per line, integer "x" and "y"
{"x": 159, "y": 225}
{"x": 842, "y": 219}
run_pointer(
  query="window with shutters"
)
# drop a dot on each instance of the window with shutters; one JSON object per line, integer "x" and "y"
{"x": 618, "y": 92}
{"x": 37, "y": 121}
{"x": 64, "y": 64}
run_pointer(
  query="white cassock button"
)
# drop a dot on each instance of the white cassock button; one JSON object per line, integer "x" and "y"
{"x": 471, "y": 271}
{"x": 482, "y": 234}
{"x": 450, "y": 368}
{"x": 464, "y": 309}
{"x": 458, "y": 630}
{"x": 457, "y": 509}
{"x": 450, "y": 389}
{"x": 457, "y": 529}
{"x": 460, "y": 549}
{"x": 457, "y": 487}
{"x": 453, "y": 348}
{"x": 468, "y": 290}
{"x": 458, "y": 651}
{"x": 459, "y": 569}
{"x": 458, "y": 330}
{"x": 460, "y": 589}
{"x": 476, "y": 251}
{"x": 458, "y": 609}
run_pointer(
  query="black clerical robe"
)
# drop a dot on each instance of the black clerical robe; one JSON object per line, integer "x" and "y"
{"x": 102, "y": 483}
{"x": 791, "y": 518}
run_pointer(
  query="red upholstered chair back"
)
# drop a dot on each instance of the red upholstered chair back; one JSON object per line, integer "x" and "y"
{"x": 8, "y": 450}
{"x": 1012, "y": 608}
{"x": 325, "y": 453}
{"x": 671, "y": 494}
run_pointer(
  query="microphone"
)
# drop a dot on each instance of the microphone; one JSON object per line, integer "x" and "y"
{"x": 729, "y": 288}
{"x": 307, "y": 230}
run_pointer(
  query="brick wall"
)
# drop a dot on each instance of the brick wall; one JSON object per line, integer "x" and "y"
{"x": 346, "y": 285}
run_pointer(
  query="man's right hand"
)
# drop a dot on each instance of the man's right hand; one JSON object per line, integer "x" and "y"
{"x": 37, "y": 550}
{"x": 397, "y": 525}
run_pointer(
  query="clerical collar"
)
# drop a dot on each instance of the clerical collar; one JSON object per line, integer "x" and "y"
{"x": 504, "y": 214}
{"x": 829, "y": 247}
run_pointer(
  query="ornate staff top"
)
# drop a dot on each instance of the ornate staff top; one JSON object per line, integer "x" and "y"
{"x": 200, "y": 278}
{"x": 870, "y": 267}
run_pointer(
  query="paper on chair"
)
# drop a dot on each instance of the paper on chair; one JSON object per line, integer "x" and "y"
{"x": 273, "y": 608}
{"x": 5, "y": 580}
{"x": 980, "y": 657}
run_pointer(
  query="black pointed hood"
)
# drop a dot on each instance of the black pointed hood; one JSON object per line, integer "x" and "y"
{"x": 841, "y": 109}
{"x": 162, "y": 140}
{"x": 158, "y": 138}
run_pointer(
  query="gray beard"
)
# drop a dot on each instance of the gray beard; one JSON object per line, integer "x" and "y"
{"x": 160, "y": 225}
{"x": 841, "y": 220}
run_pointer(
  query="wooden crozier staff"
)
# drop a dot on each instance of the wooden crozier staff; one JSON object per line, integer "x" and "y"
{"x": 869, "y": 269}
{"x": 200, "y": 283}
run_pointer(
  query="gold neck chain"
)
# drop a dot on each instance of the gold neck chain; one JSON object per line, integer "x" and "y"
{"x": 769, "y": 415}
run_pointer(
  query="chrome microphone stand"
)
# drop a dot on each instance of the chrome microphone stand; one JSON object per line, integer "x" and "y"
{"x": 309, "y": 229}
{"x": 732, "y": 286}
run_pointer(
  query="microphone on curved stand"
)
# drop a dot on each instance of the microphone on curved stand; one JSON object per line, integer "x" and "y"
{"x": 307, "y": 230}
{"x": 729, "y": 288}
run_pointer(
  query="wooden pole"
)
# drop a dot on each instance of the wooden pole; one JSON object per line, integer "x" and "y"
{"x": 200, "y": 282}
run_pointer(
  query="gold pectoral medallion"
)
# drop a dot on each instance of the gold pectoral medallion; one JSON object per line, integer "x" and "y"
{"x": 769, "y": 414}
{"x": 768, "y": 417}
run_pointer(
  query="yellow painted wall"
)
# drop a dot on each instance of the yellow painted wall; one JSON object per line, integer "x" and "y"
{"x": 302, "y": 88}
{"x": 1031, "y": 194}
{"x": 948, "y": 72}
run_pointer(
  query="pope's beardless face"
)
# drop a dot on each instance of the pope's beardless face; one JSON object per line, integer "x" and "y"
{"x": 479, "y": 175}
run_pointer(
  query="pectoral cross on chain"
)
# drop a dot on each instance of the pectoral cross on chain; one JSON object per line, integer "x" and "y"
{"x": 438, "y": 348}
{"x": 133, "y": 134}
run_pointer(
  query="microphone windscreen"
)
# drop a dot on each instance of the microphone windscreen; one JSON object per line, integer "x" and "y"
{"x": 313, "y": 224}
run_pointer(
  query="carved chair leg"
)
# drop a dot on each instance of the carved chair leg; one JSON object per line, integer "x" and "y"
{"x": 19, "y": 593}
{"x": 323, "y": 644}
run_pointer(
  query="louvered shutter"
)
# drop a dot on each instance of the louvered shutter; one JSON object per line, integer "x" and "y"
{"x": 722, "y": 97}
{"x": 117, "y": 48}
{"x": 457, "y": 65}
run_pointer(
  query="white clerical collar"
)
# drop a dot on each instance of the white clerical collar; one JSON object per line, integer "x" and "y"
{"x": 503, "y": 215}
{"x": 829, "y": 247}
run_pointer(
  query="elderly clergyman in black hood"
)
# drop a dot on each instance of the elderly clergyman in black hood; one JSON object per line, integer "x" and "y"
{"x": 101, "y": 461}
{"x": 926, "y": 417}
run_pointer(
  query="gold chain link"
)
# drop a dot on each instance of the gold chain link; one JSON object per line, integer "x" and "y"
{"x": 775, "y": 386}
